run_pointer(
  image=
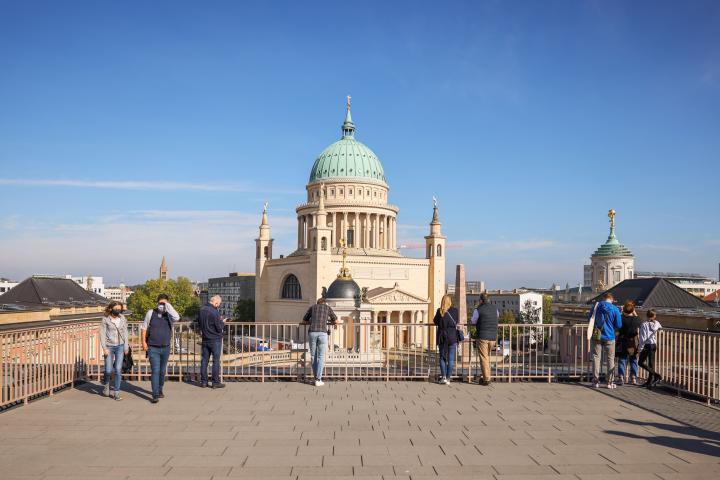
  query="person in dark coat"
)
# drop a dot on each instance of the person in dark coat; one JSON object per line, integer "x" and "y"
{"x": 485, "y": 318}
{"x": 211, "y": 327}
{"x": 629, "y": 343}
{"x": 446, "y": 320}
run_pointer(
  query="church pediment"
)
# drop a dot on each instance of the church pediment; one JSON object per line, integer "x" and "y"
{"x": 392, "y": 296}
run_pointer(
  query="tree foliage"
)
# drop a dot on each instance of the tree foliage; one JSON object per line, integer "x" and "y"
{"x": 547, "y": 309}
{"x": 244, "y": 311}
{"x": 180, "y": 291}
{"x": 507, "y": 316}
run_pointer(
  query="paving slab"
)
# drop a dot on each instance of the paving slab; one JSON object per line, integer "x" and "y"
{"x": 371, "y": 430}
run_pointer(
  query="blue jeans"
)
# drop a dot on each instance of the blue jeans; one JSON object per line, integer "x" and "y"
{"x": 158, "y": 365}
{"x": 318, "y": 347}
{"x": 113, "y": 363}
{"x": 622, "y": 362}
{"x": 213, "y": 347}
{"x": 447, "y": 360}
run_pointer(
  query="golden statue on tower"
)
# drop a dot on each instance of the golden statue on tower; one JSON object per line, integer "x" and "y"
{"x": 611, "y": 216}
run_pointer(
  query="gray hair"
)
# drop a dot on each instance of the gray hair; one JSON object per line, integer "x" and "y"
{"x": 216, "y": 297}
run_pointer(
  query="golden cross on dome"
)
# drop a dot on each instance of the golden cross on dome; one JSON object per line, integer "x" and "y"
{"x": 611, "y": 216}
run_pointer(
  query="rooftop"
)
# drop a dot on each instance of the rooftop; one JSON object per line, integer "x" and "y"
{"x": 39, "y": 292}
{"x": 654, "y": 293}
{"x": 371, "y": 430}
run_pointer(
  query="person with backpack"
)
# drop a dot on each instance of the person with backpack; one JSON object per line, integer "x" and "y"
{"x": 446, "y": 320}
{"x": 604, "y": 320}
{"x": 212, "y": 328}
{"x": 648, "y": 348}
{"x": 115, "y": 345}
{"x": 629, "y": 343}
{"x": 485, "y": 318}
{"x": 156, "y": 335}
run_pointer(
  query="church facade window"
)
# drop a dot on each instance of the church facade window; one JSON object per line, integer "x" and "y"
{"x": 291, "y": 288}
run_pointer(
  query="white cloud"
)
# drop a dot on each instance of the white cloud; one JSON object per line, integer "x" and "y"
{"x": 198, "y": 244}
{"x": 143, "y": 185}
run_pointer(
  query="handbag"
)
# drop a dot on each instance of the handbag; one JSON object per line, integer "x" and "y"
{"x": 593, "y": 333}
{"x": 460, "y": 334}
{"x": 128, "y": 362}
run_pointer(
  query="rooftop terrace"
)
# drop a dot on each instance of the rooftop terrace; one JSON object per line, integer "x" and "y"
{"x": 372, "y": 430}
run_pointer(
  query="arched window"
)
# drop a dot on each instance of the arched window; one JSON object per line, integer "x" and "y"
{"x": 266, "y": 252}
{"x": 323, "y": 244}
{"x": 439, "y": 250}
{"x": 430, "y": 251}
{"x": 291, "y": 288}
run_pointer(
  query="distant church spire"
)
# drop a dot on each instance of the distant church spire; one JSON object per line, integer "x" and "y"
{"x": 435, "y": 223}
{"x": 348, "y": 127}
{"x": 163, "y": 269}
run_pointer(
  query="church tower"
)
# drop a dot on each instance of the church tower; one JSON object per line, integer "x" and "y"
{"x": 263, "y": 253}
{"x": 163, "y": 269}
{"x": 612, "y": 263}
{"x": 435, "y": 252}
{"x": 321, "y": 245}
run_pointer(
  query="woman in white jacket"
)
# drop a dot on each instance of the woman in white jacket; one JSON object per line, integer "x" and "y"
{"x": 648, "y": 348}
{"x": 114, "y": 342}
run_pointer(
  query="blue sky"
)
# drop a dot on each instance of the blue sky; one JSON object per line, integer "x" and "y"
{"x": 133, "y": 130}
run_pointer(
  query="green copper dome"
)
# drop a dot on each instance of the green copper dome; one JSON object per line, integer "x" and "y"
{"x": 347, "y": 159}
{"x": 612, "y": 247}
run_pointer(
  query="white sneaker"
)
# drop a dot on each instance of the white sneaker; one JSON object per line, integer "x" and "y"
{"x": 596, "y": 385}
{"x": 319, "y": 383}
{"x": 611, "y": 386}
{"x": 447, "y": 381}
{"x": 106, "y": 390}
{"x": 442, "y": 380}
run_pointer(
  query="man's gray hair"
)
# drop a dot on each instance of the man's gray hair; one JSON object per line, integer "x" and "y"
{"x": 216, "y": 297}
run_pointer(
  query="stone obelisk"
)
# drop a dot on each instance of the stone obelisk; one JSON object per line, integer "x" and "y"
{"x": 460, "y": 294}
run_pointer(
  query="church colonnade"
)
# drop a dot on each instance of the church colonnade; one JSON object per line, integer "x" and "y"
{"x": 369, "y": 230}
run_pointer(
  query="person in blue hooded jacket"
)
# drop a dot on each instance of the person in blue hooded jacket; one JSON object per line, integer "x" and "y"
{"x": 607, "y": 320}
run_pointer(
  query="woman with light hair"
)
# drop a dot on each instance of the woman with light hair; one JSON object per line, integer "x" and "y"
{"x": 446, "y": 320}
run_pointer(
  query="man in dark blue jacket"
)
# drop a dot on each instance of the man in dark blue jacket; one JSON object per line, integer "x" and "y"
{"x": 211, "y": 327}
{"x": 607, "y": 320}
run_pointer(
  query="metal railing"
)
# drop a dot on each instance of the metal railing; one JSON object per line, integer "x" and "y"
{"x": 38, "y": 361}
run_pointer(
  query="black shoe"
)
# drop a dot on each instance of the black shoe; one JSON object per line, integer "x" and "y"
{"x": 161, "y": 395}
{"x": 154, "y": 400}
{"x": 485, "y": 383}
{"x": 658, "y": 379}
{"x": 218, "y": 385}
{"x": 203, "y": 385}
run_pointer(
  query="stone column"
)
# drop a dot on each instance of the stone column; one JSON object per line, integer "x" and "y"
{"x": 299, "y": 232}
{"x": 460, "y": 294}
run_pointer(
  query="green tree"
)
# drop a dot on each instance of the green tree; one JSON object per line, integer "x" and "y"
{"x": 547, "y": 309}
{"x": 507, "y": 316}
{"x": 244, "y": 311}
{"x": 180, "y": 291}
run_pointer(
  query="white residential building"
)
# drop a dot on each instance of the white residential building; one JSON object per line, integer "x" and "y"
{"x": 699, "y": 285}
{"x": 90, "y": 283}
{"x": 527, "y": 306}
{"x": 6, "y": 285}
{"x": 118, "y": 294}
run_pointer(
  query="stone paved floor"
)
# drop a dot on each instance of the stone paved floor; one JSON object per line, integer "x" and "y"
{"x": 372, "y": 430}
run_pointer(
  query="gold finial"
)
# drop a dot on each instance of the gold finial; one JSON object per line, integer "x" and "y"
{"x": 611, "y": 216}
{"x": 344, "y": 270}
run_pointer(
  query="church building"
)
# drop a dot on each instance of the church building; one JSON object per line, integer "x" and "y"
{"x": 347, "y": 250}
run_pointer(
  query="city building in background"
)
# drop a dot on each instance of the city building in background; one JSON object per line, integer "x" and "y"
{"x": 89, "y": 283}
{"x": 526, "y": 306}
{"x": 233, "y": 288}
{"x": 699, "y": 285}
{"x": 163, "y": 269}
{"x": 6, "y": 285}
{"x": 347, "y": 209}
{"x": 611, "y": 264}
{"x": 472, "y": 287}
{"x": 675, "y": 307}
{"x": 118, "y": 294}
{"x": 41, "y": 299}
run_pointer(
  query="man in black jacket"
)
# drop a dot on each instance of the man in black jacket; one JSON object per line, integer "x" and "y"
{"x": 485, "y": 319}
{"x": 211, "y": 327}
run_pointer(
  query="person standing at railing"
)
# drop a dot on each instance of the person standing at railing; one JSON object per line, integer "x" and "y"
{"x": 648, "y": 348}
{"x": 319, "y": 316}
{"x": 156, "y": 334}
{"x": 629, "y": 342}
{"x": 115, "y": 345}
{"x": 485, "y": 318}
{"x": 446, "y": 320}
{"x": 211, "y": 327}
{"x": 606, "y": 318}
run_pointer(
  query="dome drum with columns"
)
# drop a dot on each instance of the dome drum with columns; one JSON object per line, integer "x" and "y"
{"x": 347, "y": 223}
